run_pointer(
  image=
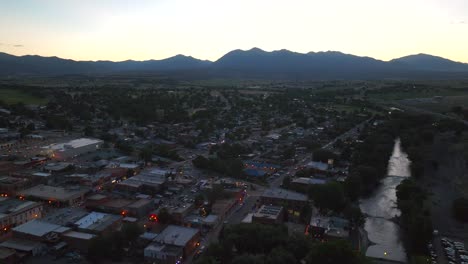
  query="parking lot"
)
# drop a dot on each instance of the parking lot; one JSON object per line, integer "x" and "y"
{"x": 447, "y": 251}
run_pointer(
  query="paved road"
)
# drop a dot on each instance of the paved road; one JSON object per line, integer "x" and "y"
{"x": 353, "y": 132}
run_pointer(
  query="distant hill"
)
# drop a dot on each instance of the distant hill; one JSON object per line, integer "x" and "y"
{"x": 253, "y": 63}
{"x": 429, "y": 62}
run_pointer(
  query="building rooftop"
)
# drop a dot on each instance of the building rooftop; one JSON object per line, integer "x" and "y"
{"x": 65, "y": 216}
{"x": 95, "y": 221}
{"x": 37, "y": 228}
{"x": 279, "y": 193}
{"x": 139, "y": 203}
{"x": 148, "y": 236}
{"x": 79, "y": 235}
{"x": 117, "y": 203}
{"x": 9, "y": 205}
{"x": 76, "y": 143}
{"x": 268, "y": 211}
{"x": 46, "y": 192}
{"x": 168, "y": 250}
{"x": 334, "y": 226}
{"x": 150, "y": 177}
{"x": 176, "y": 235}
{"x": 21, "y": 244}
{"x": 317, "y": 165}
{"x": 5, "y": 253}
{"x": 306, "y": 180}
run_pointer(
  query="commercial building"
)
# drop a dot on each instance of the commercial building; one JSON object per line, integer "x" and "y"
{"x": 268, "y": 214}
{"x": 31, "y": 248}
{"x": 11, "y": 185}
{"x": 15, "y": 212}
{"x": 71, "y": 149}
{"x": 41, "y": 231}
{"x": 65, "y": 216}
{"x": 222, "y": 208}
{"x": 148, "y": 181}
{"x": 98, "y": 223}
{"x": 293, "y": 202}
{"x": 283, "y": 197}
{"x": 56, "y": 195}
{"x": 173, "y": 244}
{"x": 78, "y": 240}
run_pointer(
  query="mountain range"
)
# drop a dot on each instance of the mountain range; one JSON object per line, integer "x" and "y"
{"x": 253, "y": 63}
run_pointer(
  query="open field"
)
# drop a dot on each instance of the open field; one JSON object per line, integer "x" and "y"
{"x": 10, "y": 96}
{"x": 440, "y": 104}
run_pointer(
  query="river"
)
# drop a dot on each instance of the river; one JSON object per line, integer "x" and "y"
{"x": 380, "y": 208}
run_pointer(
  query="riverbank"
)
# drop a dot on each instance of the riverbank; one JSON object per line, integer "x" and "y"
{"x": 382, "y": 236}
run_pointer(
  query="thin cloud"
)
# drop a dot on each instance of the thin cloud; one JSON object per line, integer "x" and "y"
{"x": 18, "y": 46}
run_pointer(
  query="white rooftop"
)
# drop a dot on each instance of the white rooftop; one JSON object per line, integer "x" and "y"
{"x": 76, "y": 143}
{"x": 79, "y": 235}
{"x": 176, "y": 235}
{"x": 37, "y": 228}
{"x": 90, "y": 219}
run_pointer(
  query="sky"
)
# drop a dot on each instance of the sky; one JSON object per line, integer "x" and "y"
{"x": 207, "y": 29}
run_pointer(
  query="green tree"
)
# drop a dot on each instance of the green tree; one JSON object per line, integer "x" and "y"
{"x": 280, "y": 256}
{"x": 146, "y": 154}
{"x": 247, "y": 259}
{"x": 131, "y": 231}
{"x": 334, "y": 252}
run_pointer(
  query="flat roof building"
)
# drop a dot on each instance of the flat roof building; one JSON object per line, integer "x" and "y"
{"x": 97, "y": 223}
{"x": 328, "y": 227}
{"x": 29, "y": 247}
{"x": 15, "y": 212}
{"x": 148, "y": 180}
{"x": 173, "y": 244}
{"x": 39, "y": 231}
{"x": 268, "y": 214}
{"x": 73, "y": 148}
{"x": 59, "y": 195}
{"x": 292, "y": 201}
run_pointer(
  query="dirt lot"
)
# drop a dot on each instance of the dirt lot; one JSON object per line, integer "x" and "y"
{"x": 447, "y": 182}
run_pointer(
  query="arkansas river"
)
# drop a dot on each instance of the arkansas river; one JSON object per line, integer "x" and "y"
{"x": 380, "y": 208}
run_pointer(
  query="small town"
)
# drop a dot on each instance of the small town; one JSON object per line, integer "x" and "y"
{"x": 123, "y": 185}
{"x": 233, "y": 132}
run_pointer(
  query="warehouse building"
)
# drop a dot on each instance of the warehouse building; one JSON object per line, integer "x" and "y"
{"x": 73, "y": 148}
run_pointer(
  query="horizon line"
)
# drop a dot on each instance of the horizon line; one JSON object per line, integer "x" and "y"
{"x": 245, "y": 50}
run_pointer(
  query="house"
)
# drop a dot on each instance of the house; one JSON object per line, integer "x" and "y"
{"x": 328, "y": 227}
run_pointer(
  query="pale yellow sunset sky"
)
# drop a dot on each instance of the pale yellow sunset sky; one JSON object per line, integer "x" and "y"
{"x": 207, "y": 29}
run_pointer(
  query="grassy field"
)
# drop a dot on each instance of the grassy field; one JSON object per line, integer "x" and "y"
{"x": 441, "y": 105}
{"x": 10, "y": 96}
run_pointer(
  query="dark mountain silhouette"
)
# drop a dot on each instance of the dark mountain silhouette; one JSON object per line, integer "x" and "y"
{"x": 253, "y": 63}
{"x": 429, "y": 62}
